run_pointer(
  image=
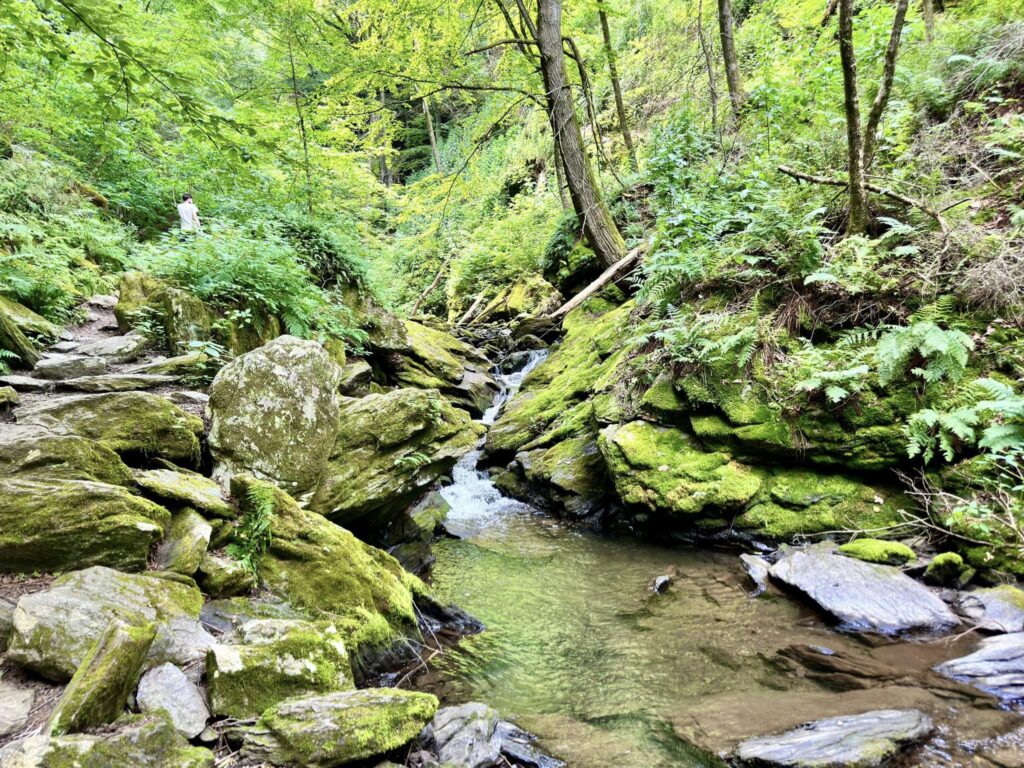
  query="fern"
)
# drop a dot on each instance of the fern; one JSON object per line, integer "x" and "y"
{"x": 5, "y": 356}
{"x": 928, "y": 430}
{"x": 837, "y": 386}
{"x": 253, "y": 537}
{"x": 940, "y": 354}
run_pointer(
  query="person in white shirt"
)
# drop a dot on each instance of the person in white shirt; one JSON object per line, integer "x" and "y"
{"x": 189, "y": 215}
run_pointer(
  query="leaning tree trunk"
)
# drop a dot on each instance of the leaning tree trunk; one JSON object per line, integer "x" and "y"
{"x": 432, "y": 137}
{"x": 732, "y": 64}
{"x": 598, "y": 225}
{"x": 613, "y": 72}
{"x": 858, "y": 223}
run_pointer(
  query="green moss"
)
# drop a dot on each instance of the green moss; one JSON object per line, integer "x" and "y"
{"x": 30, "y": 453}
{"x": 1009, "y": 560}
{"x": 879, "y": 551}
{"x": 662, "y": 401}
{"x": 244, "y": 680}
{"x": 185, "y": 543}
{"x": 185, "y": 488}
{"x": 99, "y": 688}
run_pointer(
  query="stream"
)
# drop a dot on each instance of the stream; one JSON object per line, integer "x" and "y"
{"x": 580, "y": 651}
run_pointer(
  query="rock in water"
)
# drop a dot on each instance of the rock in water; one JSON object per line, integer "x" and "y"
{"x": 389, "y": 449}
{"x": 130, "y": 423}
{"x": 167, "y": 688}
{"x": 274, "y": 414}
{"x": 56, "y": 367}
{"x": 339, "y": 728}
{"x": 857, "y": 741}
{"x": 999, "y": 609}
{"x": 139, "y": 740}
{"x": 465, "y": 736}
{"x": 864, "y": 597}
{"x": 757, "y": 569}
{"x": 54, "y": 630}
{"x": 996, "y": 667}
{"x": 99, "y": 688}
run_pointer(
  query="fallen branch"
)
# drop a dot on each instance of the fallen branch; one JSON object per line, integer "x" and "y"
{"x": 616, "y": 269}
{"x": 911, "y": 201}
{"x": 472, "y": 308}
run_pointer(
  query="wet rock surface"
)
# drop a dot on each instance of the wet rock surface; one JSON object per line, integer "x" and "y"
{"x": 858, "y": 741}
{"x": 998, "y": 609}
{"x": 996, "y": 667}
{"x": 863, "y": 597}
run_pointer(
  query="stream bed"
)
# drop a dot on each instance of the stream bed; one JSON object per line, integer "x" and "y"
{"x": 580, "y": 651}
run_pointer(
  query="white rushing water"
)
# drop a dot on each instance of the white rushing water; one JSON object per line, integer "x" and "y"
{"x": 474, "y": 499}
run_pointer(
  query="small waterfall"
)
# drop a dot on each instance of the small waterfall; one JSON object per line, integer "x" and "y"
{"x": 472, "y": 496}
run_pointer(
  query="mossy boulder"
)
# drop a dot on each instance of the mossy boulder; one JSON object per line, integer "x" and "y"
{"x": 409, "y": 536}
{"x": 133, "y": 741}
{"x": 948, "y": 569}
{"x": 385, "y": 332}
{"x": 291, "y": 659}
{"x": 134, "y": 290}
{"x": 322, "y": 568}
{"x": 54, "y": 630}
{"x": 185, "y": 489}
{"x": 184, "y": 544}
{"x": 13, "y": 340}
{"x": 531, "y": 295}
{"x": 878, "y": 551}
{"x": 665, "y": 470}
{"x": 355, "y": 378}
{"x": 219, "y": 576}
{"x": 60, "y": 524}
{"x": 570, "y": 474}
{"x": 35, "y": 453}
{"x": 388, "y": 449}
{"x": 134, "y": 424}
{"x": 338, "y": 728}
{"x": 274, "y": 414}
{"x": 109, "y": 672}
{"x": 33, "y": 325}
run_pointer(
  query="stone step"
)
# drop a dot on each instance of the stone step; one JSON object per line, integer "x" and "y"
{"x": 115, "y": 382}
{"x": 26, "y": 383}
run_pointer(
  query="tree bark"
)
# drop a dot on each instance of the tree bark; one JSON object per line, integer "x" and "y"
{"x": 296, "y": 96}
{"x": 560, "y": 179}
{"x": 928, "y": 11}
{"x": 586, "y": 198}
{"x": 709, "y": 64}
{"x": 616, "y": 270}
{"x": 885, "y": 85}
{"x": 732, "y": 64}
{"x": 858, "y": 222}
{"x": 613, "y": 73}
{"x": 433, "y": 138}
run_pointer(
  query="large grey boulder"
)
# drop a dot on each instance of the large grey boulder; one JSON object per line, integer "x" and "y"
{"x": 864, "y": 597}
{"x": 858, "y": 741}
{"x": 55, "y": 629}
{"x": 466, "y": 737}
{"x": 996, "y": 667}
{"x": 274, "y": 414}
{"x": 66, "y": 366}
{"x": 337, "y": 729}
{"x": 117, "y": 349}
{"x": 998, "y": 609}
{"x": 167, "y": 688}
{"x": 181, "y": 640}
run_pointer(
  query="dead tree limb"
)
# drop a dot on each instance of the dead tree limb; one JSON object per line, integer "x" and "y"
{"x": 614, "y": 271}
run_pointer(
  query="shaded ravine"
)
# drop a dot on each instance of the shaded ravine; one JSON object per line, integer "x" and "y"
{"x": 580, "y": 651}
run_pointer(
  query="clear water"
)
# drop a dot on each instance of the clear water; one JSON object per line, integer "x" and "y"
{"x": 581, "y": 652}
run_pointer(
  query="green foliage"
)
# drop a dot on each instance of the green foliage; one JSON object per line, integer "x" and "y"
{"x": 252, "y": 538}
{"x": 6, "y": 358}
{"x": 333, "y": 256}
{"x": 933, "y": 354}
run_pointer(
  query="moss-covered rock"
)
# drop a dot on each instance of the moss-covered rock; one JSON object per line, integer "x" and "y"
{"x": 570, "y": 474}
{"x": 136, "y": 424}
{"x": 303, "y": 659}
{"x": 385, "y": 332}
{"x": 14, "y": 341}
{"x": 220, "y": 576}
{"x": 879, "y": 551}
{"x": 665, "y": 470}
{"x": 274, "y": 414}
{"x": 134, "y": 290}
{"x": 55, "y": 629}
{"x": 338, "y": 728}
{"x": 35, "y": 453}
{"x": 409, "y": 536}
{"x": 61, "y": 524}
{"x": 945, "y": 569}
{"x": 33, "y": 325}
{"x": 388, "y": 449}
{"x": 184, "y": 544}
{"x": 531, "y": 295}
{"x": 355, "y": 378}
{"x": 99, "y": 688}
{"x": 322, "y": 568}
{"x": 133, "y": 741}
{"x": 185, "y": 488}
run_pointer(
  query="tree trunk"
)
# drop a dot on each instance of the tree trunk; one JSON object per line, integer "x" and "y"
{"x": 433, "y": 138}
{"x": 709, "y": 64}
{"x": 858, "y": 223}
{"x": 885, "y": 85}
{"x": 928, "y": 11}
{"x": 560, "y": 179}
{"x": 732, "y": 64}
{"x": 613, "y": 72}
{"x": 597, "y": 220}
{"x": 296, "y": 96}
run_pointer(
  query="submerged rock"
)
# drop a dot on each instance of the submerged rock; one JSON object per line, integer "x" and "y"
{"x": 130, "y": 423}
{"x": 131, "y": 742}
{"x": 996, "y": 667}
{"x": 339, "y": 728}
{"x": 166, "y": 688}
{"x": 54, "y": 630}
{"x": 274, "y": 414}
{"x": 857, "y": 741}
{"x": 864, "y": 597}
{"x": 389, "y": 448}
{"x": 100, "y": 686}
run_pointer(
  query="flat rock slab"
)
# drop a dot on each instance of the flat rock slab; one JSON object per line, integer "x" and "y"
{"x": 69, "y": 366}
{"x": 999, "y": 609}
{"x": 26, "y": 383}
{"x": 864, "y": 597}
{"x": 996, "y": 667}
{"x": 465, "y": 736}
{"x": 116, "y": 382}
{"x": 857, "y": 741}
{"x": 185, "y": 488}
{"x": 117, "y": 349}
